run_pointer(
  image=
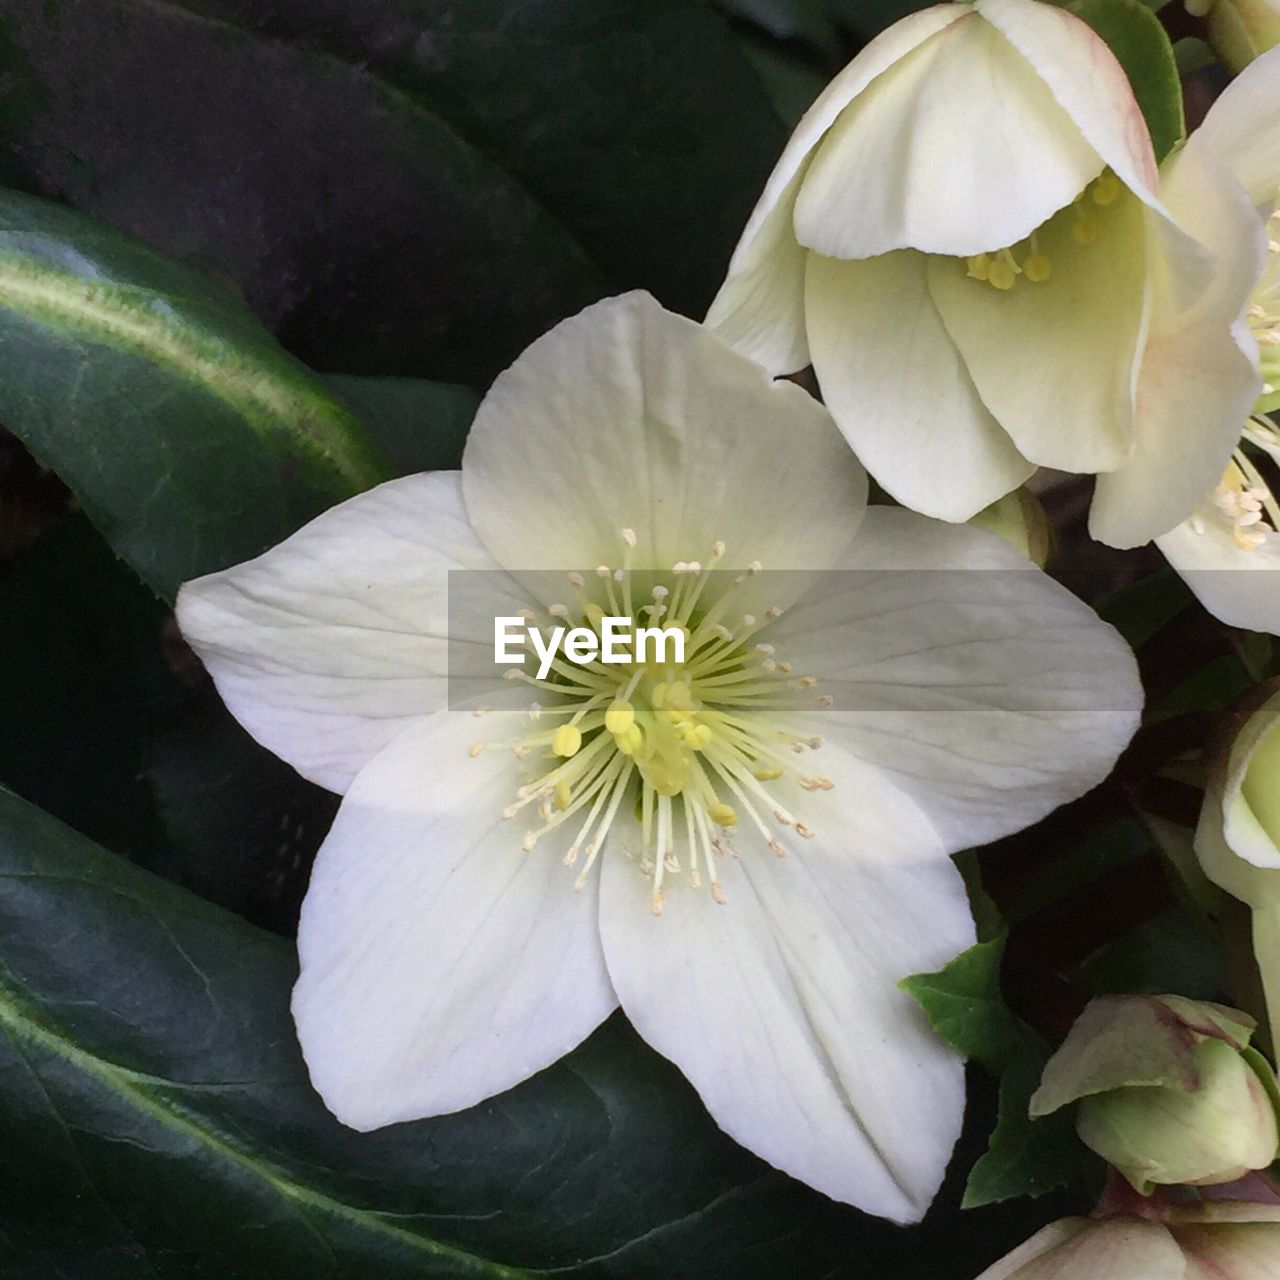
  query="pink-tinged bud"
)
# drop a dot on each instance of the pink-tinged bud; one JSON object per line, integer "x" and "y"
{"x": 1168, "y": 1090}
{"x": 1242, "y": 1244}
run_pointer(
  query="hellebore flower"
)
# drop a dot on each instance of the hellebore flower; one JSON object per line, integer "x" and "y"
{"x": 1238, "y": 835}
{"x": 756, "y": 869}
{"x": 1233, "y": 531}
{"x": 967, "y": 239}
{"x": 1167, "y": 1090}
{"x": 1240, "y": 30}
{"x": 1205, "y": 1241}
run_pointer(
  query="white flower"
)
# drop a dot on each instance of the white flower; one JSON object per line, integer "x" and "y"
{"x": 1232, "y": 534}
{"x": 756, "y": 870}
{"x": 1238, "y": 835}
{"x": 967, "y": 239}
{"x": 1210, "y": 1241}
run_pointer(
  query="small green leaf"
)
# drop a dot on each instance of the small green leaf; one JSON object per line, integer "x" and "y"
{"x": 1026, "y": 1157}
{"x": 964, "y": 1006}
{"x": 191, "y": 439}
{"x": 1142, "y": 46}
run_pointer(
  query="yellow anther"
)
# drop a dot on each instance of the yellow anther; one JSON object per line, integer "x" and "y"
{"x": 1106, "y": 189}
{"x": 566, "y": 740}
{"x": 978, "y": 267}
{"x": 698, "y": 737}
{"x": 768, "y": 775}
{"x": 1037, "y": 268}
{"x": 1085, "y": 230}
{"x": 630, "y": 740}
{"x": 562, "y": 795}
{"x": 679, "y": 698}
{"x": 658, "y": 698}
{"x": 722, "y": 815}
{"x": 1000, "y": 275}
{"x": 619, "y": 717}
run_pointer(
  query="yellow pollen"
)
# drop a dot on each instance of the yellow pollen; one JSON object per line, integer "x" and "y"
{"x": 978, "y": 267}
{"x": 722, "y": 815}
{"x": 620, "y": 717}
{"x": 1037, "y": 268}
{"x": 1000, "y": 275}
{"x": 677, "y": 756}
{"x": 1085, "y": 230}
{"x": 1106, "y": 189}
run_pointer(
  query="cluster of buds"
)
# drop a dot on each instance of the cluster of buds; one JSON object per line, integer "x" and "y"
{"x": 1170, "y": 1094}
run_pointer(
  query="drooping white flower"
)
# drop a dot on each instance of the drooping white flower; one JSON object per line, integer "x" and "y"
{"x": 758, "y": 838}
{"x": 1229, "y": 549}
{"x": 968, "y": 238}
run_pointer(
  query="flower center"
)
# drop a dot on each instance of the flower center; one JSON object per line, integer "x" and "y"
{"x": 1027, "y": 260}
{"x": 1264, "y": 315}
{"x": 694, "y": 750}
{"x": 1243, "y": 500}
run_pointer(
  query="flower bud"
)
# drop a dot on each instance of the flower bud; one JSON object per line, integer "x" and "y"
{"x": 1241, "y": 30}
{"x": 1242, "y": 1243}
{"x": 1168, "y": 1090}
{"x": 1238, "y": 836}
{"x": 1020, "y": 520}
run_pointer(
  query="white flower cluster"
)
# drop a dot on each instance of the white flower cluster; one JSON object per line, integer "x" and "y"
{"x": 969, "y": 239}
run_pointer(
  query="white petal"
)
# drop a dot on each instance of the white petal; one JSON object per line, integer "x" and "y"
{"x": 1116, "y": 1248}
{"x": 957, "y": 148}
{"x": 987, "y": 692}
{"x": 1054, "y": 362}
{"x": 900, "y": 392}
{"x": 1196, "y": 385}
{"x": 782, "y": 1007}
{"x": 629, "y": 416}
{"x": 1243, "y": 127}
{"x": 327, "y": 646}
{"x": 760, "y": 307}
{"x": 1086, "y": 80}
{"x": 1240, "y": 587}
{"x": 440, "y": 964}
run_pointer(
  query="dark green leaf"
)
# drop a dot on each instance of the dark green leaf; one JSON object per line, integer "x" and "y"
{"x": 190, "y": 438}
{"x": 416, "y": 187}
{"x": 806, "y": 20}
{"x": 419, "y": 425}
{"x": 1027, "y": 1157}
{"x": 1144, "y": 608}
{"x": 158, "y": 1121}
{"x": 1137, "y": 38}
{"x": 81, "y": 673}
{"x": 1175, "y": 951}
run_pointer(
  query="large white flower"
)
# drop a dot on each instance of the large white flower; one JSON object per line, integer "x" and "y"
{"x": 1229, "y": 549}
{"x": 967, "y": 238}
{"x": 755, "y": 869}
